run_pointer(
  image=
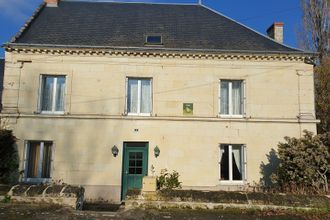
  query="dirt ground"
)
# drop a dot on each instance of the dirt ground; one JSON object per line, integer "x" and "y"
{"x": 53, "y": 212}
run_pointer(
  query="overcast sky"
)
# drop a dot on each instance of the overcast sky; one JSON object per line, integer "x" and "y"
{"x": 256, "y": 14}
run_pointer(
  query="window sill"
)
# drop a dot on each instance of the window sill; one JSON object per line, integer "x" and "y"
{"x": 139, "y": 114}
{"x": 231, "y": 116}
{"x": 232, "y": 182}
{"x": 37, "y": 180}
{"x": 52, "y": 113}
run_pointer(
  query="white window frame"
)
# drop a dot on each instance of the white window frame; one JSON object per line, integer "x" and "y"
{"x": 26, "y": 162}
{"x": 230, "y": 104}
{"x": 54, "y": 94}
{"x": 138, "y": 113}
{"x": 230, "y": 166}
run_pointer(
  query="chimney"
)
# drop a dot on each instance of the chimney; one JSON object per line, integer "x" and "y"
{"x": 275, "y": 31}
{"x": 52, "y": 3}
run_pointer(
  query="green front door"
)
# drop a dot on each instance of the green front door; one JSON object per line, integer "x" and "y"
{"x": 135, "y": 163}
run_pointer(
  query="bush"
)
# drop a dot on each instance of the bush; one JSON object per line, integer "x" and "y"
{"x": 304, "y": 163}
{"x": 8, "y": 157}
{"x": 168, "y": 180}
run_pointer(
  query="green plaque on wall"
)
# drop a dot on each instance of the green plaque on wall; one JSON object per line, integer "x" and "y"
{"x": 188, "y": 108}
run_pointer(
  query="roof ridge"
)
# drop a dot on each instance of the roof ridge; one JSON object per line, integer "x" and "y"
{"x": 245, "y": 26}
{"x": 132, "y": 2}
{"x": 28, "y": 22}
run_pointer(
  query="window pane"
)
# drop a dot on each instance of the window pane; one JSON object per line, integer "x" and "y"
{"x": 131, "y": 170}
{"x": 131, "y": 163}
{"x": 224, "y": 162}
{"x": 60, "y": 90}
{"x": 139, "y": 155}
{"x": 47, "y": 93}
{"x": 139, "y": 163}
{"x": 33, "y": 159}
{"x": 132, "y": 96}
{"x": 132, "y": 155}
{"x": 224, "y": 105}
{"x": 145, "y": 96}
{"x": 154, "y": 39}
{"x": 237, "y": 97}
{"x": 237, "y": 162}
{"x": 47, "y": 156}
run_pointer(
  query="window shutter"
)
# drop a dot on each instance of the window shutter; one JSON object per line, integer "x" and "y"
{"x": 219, "y": 162}
{"x": 25, "y": 160}
{"x": 126, "y": 94}
{"x": 245, "y": 162}
{"x": 52, "y": 167}
{"x": 244, "y": 98}
{"x": 219, "y": 98}
{"x": 39, "y": 95}
{"x": 151, "y": 97}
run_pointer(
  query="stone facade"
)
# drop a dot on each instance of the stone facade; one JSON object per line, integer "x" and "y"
{"x": 279, "y": 102}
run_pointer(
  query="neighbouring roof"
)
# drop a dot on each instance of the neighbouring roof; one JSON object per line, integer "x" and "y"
{"x": 106, "y": 24}
{"x": 2, "y": 72}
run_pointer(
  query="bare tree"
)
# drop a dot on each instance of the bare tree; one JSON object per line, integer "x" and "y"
{"x": 315, "y": 36}
{"x": 316, "y": 26}
{"x": 322, "y": 94}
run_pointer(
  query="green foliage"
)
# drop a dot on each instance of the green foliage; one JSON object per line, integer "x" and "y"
{"x": 304, "y": 163}
{"x": 168, "y": 180}
{"x": 6, "y": 199}
{"x": 8, "y": 156}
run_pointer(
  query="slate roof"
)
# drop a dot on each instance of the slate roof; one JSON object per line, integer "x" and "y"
{"x": 106, "y": 24}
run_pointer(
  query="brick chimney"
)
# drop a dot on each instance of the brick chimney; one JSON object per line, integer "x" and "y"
{"x": 276, "y": 31}
{"x": 52, "y": 3}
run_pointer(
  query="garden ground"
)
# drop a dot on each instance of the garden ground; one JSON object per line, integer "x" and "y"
{"x": 46, "y": 211}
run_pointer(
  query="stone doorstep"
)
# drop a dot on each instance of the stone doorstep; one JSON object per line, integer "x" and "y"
{"x": 69, "y": 202}
{"x": 131, "y": 204}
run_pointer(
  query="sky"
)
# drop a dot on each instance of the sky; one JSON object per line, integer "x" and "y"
{"x": 256, "y": 14}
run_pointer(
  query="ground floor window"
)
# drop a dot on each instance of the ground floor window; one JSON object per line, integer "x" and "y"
{"x": 38, "y": 158}
{"x": 232, "y": 162}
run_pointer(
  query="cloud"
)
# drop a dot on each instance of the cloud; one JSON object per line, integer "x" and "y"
{"x": 17, "y": 10}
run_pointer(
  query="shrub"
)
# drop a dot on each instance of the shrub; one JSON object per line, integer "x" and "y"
{"x": 168, "y": 180}
{"x": 6, "y": 199}
{"x": 304, "y": 163}
{"x": 8, "y": 156}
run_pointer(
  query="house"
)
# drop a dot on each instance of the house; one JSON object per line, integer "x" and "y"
{"x": 100, "y": 94}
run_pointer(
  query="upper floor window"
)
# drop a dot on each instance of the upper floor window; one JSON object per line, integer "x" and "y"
{"x": 139, "y": 96}
{"x": 52, "y": 94}
{"x": 231, "y": 97}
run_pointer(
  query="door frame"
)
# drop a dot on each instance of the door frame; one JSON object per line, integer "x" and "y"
{"x": 146, "y": 147}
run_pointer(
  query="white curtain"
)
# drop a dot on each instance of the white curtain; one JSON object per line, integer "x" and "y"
{"x": 237, "y": 97}
{"x": 132, "y": 96}
{"x": 145, "y": 96}
{"x": 47, "y": 94}
{"x": 33, "y": 160}
{"x": 237, "y": 161}
{"x": 46, "y": 160}
{"x": 60, "y": 90}
{"x": 224, "y": 104}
